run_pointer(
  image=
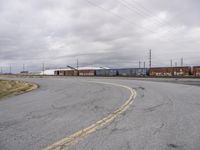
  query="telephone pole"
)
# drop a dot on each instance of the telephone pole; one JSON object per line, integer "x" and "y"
{"x": 181, "y": 62}
{"x": 171, "y": 63}
{"x": 77, "y": 64}
{"x": 1, "y": 70}
{"x": 144, "y": 64}
{"x": 23, "y": 68}
{"x": 10, "y": 69}
{"x": 175, "y": 64}
{"x": 43, "y": 68}
{"x": 139, "y": 64}
{"x": 150, "y": 57}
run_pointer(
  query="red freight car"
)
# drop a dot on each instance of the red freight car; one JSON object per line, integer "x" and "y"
{"x": 86, "y": 72}
{"x": 170, "y": 71}
{"x": 196, "y": 71}
{"x": 66, "y": 72}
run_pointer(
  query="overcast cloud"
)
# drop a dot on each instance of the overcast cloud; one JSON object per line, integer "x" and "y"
{"x": 112, "y": 33}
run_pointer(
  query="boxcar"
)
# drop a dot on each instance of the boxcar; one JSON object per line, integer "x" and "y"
{"x": 106, "y": 72}
{"x": 132, "y": 72}
{"x": 65, "y": 72}
{"x": 86, "y": 72}
{"x": 170, "y": 71}
{"x": 196, "y": 71}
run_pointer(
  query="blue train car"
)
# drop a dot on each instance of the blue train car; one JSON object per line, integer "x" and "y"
{"x": 132, "y": 72}
{"x": 106, "y": 72}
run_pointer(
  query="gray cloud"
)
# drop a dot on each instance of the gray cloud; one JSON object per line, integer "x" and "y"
{"x": 114, "y": 33}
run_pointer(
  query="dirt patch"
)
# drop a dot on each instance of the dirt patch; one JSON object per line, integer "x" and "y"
{"x": 12, "y": 87}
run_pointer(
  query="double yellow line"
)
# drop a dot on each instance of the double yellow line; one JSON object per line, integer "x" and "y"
{"x": 75, "y": 137}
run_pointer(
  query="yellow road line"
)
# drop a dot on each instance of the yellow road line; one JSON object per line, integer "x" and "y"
{"x": 73, "y": 138}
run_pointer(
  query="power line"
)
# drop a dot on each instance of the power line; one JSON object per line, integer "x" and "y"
{"x": 147, "y": 12}
{"x": 127, "y": 20}
{"x": 118, "y": 16}
{"x": 141, "y": 13}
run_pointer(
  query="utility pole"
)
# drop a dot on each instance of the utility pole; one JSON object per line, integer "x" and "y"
{"x": 181, "y": 62}
{"x": 10, "y": 69}
{"x": 150, "y": 57}
{"x": 144, "y": 64}
{"x": 171, "y": 63}
{"x": 23, "y": 68}
{"x": 43, "y": 68}
{"x": 139, "y": 64}
{"x": 1, "y": 70}
{"x": 77, "y": 65}
{"x": 175, "y": 64}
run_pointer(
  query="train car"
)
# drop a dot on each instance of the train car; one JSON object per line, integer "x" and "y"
{"x": 86, "y": 72}
{"x": 182, "y": 71}
{"x": 106, "y": 72}
{"x": 132, "y": 72}
{"x": 170, "y": 71}
{"x": 161, "y": 71}
{"x": 196, "y": 71}
{"x": 65, "y": 72}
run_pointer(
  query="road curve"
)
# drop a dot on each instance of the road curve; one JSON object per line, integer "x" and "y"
{"x": 66, "y": 142}
{"x": 163, "y": 115}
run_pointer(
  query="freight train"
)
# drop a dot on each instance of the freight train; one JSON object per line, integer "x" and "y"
{"x": 184, "y": 71}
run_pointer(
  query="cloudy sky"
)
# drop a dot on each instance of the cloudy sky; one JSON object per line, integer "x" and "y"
{"x": 112, "y": 33}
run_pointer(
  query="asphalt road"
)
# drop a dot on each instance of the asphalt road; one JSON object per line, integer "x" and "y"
{"x": 164, "y": 116}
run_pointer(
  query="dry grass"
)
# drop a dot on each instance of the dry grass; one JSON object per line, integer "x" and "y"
{"x": 11, "y": 87}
